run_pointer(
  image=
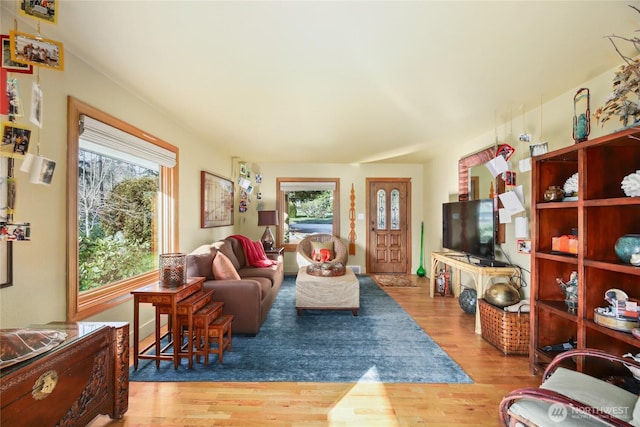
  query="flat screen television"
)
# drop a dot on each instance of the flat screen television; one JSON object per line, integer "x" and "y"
{"x": 470, "y": 227}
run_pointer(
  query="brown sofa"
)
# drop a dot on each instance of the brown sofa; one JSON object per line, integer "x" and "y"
{"x": 248, "y": 299}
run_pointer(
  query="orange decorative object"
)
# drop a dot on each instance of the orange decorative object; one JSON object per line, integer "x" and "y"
{"x": 352, "y": 223}
{"x": 567, "y": 244}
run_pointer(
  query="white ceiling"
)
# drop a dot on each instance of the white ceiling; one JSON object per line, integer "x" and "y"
{"x": 342, "y": 81}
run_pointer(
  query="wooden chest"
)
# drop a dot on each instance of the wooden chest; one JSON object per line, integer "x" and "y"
{"x": 85, "y": 376}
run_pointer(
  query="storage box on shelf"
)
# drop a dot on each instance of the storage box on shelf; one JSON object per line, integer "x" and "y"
{"x": 601, "y": 214}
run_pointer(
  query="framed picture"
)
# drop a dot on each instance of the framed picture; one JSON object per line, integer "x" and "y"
{"x": 216, "y": 201}
{"x": 34, "y": 50}
{"x": 7, "y": 63}
{"x": 524, "y": 246}
{"x": 15, "y": 140}
{"x": 538, "y": 149}
{"x": 45, "y": 10}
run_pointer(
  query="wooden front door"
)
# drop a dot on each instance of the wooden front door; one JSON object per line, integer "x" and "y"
{"x": 389, "y": 232}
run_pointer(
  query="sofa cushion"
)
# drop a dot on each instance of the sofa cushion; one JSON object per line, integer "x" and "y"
{"x": 223, "y": 268}
{"x": 226, "y": 247}
{"x": 252, "y": 272}
{"x": 265, "y": 285}
{"x": 199, "y": 264}
{"x": 322, "y": 251}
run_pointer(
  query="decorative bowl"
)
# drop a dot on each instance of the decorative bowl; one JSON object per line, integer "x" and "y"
{"x": 626, "y": 246}
{"x": 501, "y": 294}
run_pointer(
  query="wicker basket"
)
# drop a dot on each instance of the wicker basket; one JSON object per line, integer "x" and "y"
{"x": 506, "y": 331}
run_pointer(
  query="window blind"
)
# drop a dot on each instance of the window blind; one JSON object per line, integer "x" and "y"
{"x": 105, "y": 139}
{"x": 307, "y": 186}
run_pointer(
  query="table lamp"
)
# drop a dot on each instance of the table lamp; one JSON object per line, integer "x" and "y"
{"x": 267, "y": 218}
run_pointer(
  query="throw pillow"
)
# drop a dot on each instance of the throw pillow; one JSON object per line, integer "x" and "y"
{"x": 223, "y": 268}
{"x": 322, "y": 251}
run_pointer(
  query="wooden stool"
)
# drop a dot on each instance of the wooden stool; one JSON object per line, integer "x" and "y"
{"x": 220, "y": 328}
{"x": 185, "y": 310}
{"x": 200, "y": 318}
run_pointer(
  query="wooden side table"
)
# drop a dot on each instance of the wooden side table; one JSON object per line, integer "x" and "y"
{"x": 274, "y": 253}
{"x": 165, "y": 300}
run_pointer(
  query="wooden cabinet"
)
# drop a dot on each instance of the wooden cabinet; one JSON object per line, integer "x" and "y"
{"x": 86, "y": 375}
{"x": 601, "y": 215}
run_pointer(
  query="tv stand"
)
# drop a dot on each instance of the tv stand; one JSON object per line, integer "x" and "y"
{"x": 479, "y": 273}
{"x": 491, "y": 263}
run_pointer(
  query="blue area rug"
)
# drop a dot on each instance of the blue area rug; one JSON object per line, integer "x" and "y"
{"x": 382, "y": 344}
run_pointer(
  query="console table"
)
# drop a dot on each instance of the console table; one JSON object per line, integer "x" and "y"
{"x": 84, "y": 376}
{"x": 479, "y": 273}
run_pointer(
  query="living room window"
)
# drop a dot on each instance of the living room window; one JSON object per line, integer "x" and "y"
{"x": 307, "y": 206}
{"x": 121, "y": 209}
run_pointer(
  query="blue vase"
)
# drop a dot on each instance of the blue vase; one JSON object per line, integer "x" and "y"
{"x": 626, "y": 246}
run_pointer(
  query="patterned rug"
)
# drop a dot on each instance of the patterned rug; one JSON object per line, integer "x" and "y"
{"x": 382, "y": 344}
{"x": 394, "y": 280}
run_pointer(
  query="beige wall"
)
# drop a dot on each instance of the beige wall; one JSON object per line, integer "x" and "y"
{"x": 554, "y": 125}
{"x": 38, "y": 294}
{"x": 348, "y": 174}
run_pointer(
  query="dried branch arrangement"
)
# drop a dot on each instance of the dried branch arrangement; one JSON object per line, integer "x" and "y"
{"x": 624, "y": 101}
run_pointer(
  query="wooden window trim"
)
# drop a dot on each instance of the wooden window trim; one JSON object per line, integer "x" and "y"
{"x": 282, "y": 208}
{"x": 81, "y": 306}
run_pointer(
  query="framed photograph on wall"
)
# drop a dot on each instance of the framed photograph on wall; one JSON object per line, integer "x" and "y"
{"x": 34, "y": 50}
{"x": 7, "y": 63}
{"x": 216, "y": 200}
{"x": 45, "y": 10}
{"x": 524, "y": 246}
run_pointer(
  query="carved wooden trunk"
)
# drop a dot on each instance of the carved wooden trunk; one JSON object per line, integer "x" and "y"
{"x": 85, "y": 376}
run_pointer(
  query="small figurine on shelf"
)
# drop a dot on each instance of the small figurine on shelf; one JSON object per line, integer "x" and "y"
{"x": 570, "y": 290}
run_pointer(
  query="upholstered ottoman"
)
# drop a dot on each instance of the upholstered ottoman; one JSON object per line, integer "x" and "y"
{"x": 327, "y": 293}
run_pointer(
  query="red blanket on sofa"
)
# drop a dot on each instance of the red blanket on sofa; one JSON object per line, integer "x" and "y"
{"x": 254, "y": 252}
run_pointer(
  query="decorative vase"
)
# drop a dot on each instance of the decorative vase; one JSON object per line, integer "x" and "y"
{"x": 421, "y": 272}
{"x": 173, "y": 269}
{"x": 626, "y": 246}
{"x": 467, "y": 300}
{"x": 502, "y": 294}
{"x": 553, "y": 194}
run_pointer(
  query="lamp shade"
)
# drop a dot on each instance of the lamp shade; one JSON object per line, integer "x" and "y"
{"x": 268, "y": 218}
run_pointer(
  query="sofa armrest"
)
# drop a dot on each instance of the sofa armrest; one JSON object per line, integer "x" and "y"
{"x": 242, "y": 299}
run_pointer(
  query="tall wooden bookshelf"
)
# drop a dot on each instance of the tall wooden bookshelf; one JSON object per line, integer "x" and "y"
{"x": 601, "y": 215}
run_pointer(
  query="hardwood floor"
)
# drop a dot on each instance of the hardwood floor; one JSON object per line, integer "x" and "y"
{"x": 320, "y": 404}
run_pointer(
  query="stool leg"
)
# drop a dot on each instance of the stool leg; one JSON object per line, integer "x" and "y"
{"x": 206, "y": 345}
{"x": 220, "y": 346}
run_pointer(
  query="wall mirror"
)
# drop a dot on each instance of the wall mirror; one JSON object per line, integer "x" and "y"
{"x": 473, "y": 181}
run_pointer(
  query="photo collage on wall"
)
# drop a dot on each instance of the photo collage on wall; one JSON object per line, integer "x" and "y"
{"x": 249, "y": 184}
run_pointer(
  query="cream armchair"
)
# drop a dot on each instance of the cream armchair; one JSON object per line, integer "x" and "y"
{"x": 305, "y": 249}
{"x": 570, "y": 398}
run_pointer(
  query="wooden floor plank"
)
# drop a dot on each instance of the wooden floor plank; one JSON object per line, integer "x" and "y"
{"x": 369, "y": 404}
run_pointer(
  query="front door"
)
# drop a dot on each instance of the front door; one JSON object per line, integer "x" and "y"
{"x": 388, "y": 237}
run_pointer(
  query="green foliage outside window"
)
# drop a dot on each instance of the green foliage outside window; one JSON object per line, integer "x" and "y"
{"x": 117, "y": 210}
